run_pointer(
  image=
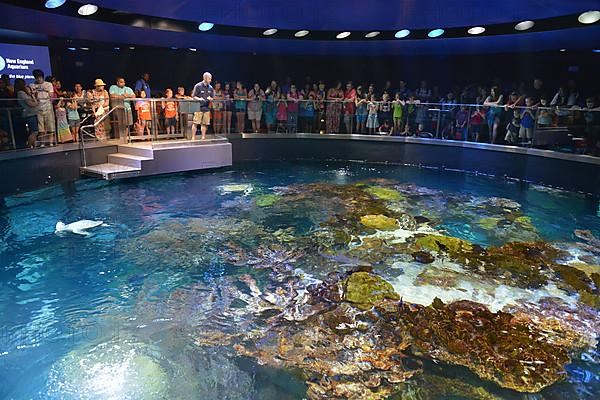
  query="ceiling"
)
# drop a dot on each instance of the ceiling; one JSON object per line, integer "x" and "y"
{"x": 320, "y": 15}
{"x": 353, "y": 14}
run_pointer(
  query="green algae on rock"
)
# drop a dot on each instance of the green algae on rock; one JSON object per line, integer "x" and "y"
{"x": 267, "y": 200}
{"x": 384, "y": 193}
{"x": 366, "y": 290}
{"x": 440, "y": 243}
{"x": 380, "y": 222}
{"x": 489, "y": 223}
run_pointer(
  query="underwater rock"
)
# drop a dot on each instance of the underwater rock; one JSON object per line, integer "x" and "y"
{"x": 446, "y": 244}
{"x": 267, "y": 200}
{"x": 285, "y": 235}
{"x": 360, "y": 342}
{"x": 489, "y": 223}
{"x": 499, "y": 202}
{"x": 366, "y": 290}
{"x": 384, "y": 193}
{"x": 412, "y": 189}
{"x": 434, "y": 387}
{"x": 423, "y": 257}
{"x": 567, "y": 325}
{"x": 591, "y": 243}
{"x": 380, "y": 222}
{"x": 511, "y": 352}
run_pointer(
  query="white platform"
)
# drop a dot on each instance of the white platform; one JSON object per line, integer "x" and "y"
{"x": 155, "y": 158}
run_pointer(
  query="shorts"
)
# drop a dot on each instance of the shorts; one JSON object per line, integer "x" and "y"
{"x": 254, "y": 115}
{"x": 74, "y": 123}
{"x": 372, "y": 121}
{"x": 202, "y": 118}
{"x": 170, "y": 122}
{"x": 348, "y": 118}
{"x": 361, "y": 118}
{"x": 32, "y": 122}
{"x": 46, "y": 121}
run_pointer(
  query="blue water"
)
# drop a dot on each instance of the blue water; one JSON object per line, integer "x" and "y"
{"x": 60, "y": 293}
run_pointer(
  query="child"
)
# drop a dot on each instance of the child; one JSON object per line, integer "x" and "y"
{"x": 281, "y": 112}
{"x": 64, "y": 133}
{"x": 477, "y": 121}
{"x": 372, "y": 121}
{"x": 385, "y": 129}
{"x": 73, "y": 118}
{"x": 361, "y": 110}
{"x": 527, "y": 122}
{"x": 398, "y": 111}
{"x": 513, "y": 128}
{"x": 462, "y": 118}
{"x": 385, "y": 109}
{"x": 309, "y": 112}
{"x": 546, "y": 115}
{"x": 144, "y": 115}
{"x": 170, "y": 109}
{"x": 411, "y": 115}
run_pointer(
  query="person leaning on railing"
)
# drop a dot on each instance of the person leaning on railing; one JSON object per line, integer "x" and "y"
{"x": 44, "y": 93}
{"x": 74, "y": 110}
{"x": 30, "y": 105}
{"x": 99, "y": 99}
{"x": 119, "y": 98}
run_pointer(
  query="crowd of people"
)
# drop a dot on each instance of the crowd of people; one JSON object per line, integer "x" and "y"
{"x": 509, "y": 115}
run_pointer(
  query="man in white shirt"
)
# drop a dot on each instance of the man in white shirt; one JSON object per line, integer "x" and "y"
{"x": 44, "y": 93}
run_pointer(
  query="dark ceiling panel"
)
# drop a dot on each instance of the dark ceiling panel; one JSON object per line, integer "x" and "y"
{"x": 353, "y": 14}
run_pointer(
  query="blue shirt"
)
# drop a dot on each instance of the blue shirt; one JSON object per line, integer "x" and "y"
{"x": 203, "y": 91}
{"x": 142, "y": 85}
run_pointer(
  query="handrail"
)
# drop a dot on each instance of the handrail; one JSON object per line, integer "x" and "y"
{"x": 83, "y": 130}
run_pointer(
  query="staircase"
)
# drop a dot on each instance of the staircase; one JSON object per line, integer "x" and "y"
{"x": 144, "y": 159}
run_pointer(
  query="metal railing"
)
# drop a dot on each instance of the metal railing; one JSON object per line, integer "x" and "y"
{"x": 572, "y": 129}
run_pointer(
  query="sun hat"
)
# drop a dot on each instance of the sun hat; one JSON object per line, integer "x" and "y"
{"x": 99, "y": 82}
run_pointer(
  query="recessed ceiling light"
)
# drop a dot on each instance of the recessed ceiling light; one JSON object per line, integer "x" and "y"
{"x": 71, "y": 48}
{"x": 173, "y": 48}
{"x": 205, "y": 26}
{"x": 372, "y": 34}
{"x": 523, "y": 26}
{"x": 270, "y": 32}
{"x": 402, "y": 34}
{"x": 116, "y": 48}
{"x": 435, "y": 33}
{"x": 301, "y": 33}
{"x": 193, "y": 49}
{"x": 589, "y": 17}
{"x": 596, "y": 51}
{"x": 476, "y": 30}
{"x": 563, "y": 50}
{"x": 131, "y": 48}
{"x": 84, "y": 48}
{"x": 87, "y": 9}
{"x": 343, "y": 35}
{"x": 55, "y": 3}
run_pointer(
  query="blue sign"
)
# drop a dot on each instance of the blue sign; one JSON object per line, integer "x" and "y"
{"x": 19, "y": 61}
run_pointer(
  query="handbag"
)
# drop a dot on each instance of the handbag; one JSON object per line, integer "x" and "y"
{"x": 99, "y": 111}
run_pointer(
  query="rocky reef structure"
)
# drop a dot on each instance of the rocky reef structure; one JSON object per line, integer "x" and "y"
{"x": 336, "y": 301}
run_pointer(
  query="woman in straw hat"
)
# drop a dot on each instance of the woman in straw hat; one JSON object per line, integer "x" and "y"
{"x": 100, "y": 99}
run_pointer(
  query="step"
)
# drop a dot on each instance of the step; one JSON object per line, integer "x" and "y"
{"x": 110, "y": 171}
{"x": 141, "y": 149}
{"x": 187, "y": 143}
{"x": 127, "y": 159}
